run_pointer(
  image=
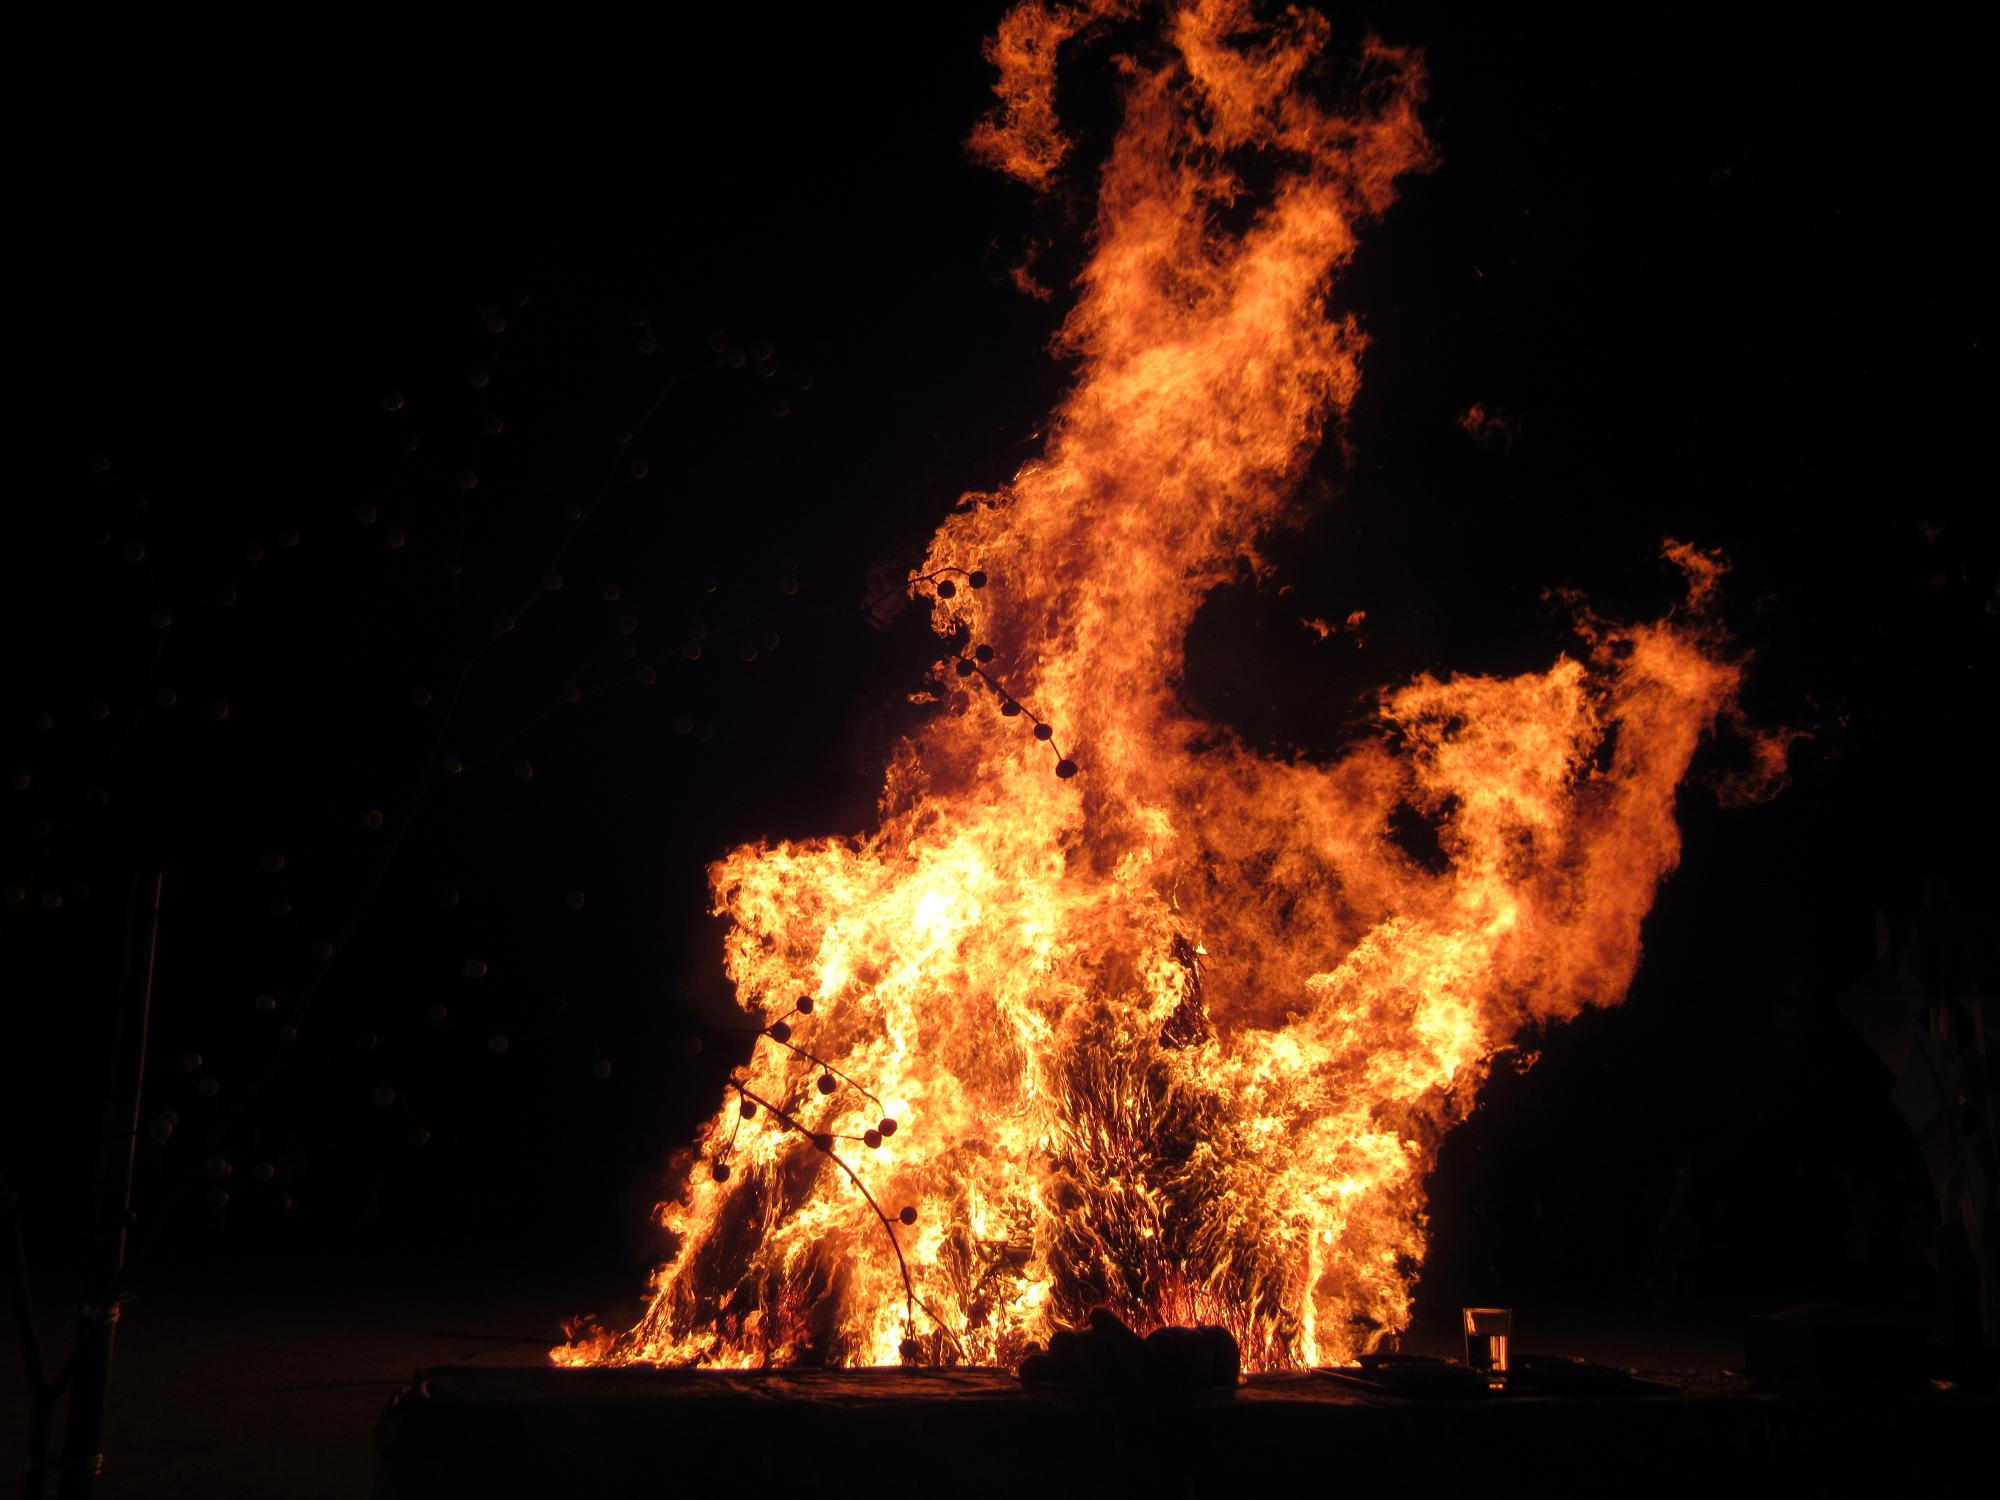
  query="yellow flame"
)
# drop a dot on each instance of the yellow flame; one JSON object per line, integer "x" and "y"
{"x": 1178, "y": 1034}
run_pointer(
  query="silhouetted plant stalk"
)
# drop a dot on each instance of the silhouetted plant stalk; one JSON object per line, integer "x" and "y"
{"x": 976, "y": 662}
{"x": 969, "y": 663}
{"x": 780, "y": 1031}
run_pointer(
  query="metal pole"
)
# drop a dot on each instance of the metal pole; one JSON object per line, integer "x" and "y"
{"x": 83, "y": 1434}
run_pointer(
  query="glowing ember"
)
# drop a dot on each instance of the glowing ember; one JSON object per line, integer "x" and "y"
{"x": 1163, "y": 1025}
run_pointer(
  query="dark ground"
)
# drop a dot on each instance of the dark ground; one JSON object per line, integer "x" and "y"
{"x": 1719, "y": 270}
{"x": 263, "y": 1376}
{"x": 266, "y": 1377}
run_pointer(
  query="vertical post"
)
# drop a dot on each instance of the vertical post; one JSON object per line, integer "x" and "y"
{"x": 83, "y": 1434}
{"x": 42, "y": 1391}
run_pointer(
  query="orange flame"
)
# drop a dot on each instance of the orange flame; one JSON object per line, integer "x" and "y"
{"x": 1177, "y": 1033}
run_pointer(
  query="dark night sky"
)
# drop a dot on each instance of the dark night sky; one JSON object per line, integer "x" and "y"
{"x": 1719, "y": 272}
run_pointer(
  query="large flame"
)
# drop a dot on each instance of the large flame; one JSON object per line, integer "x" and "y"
{"x": 1177, "y": 1031}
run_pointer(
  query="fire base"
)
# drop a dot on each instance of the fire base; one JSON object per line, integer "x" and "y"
{"x": 646, "y": 1432}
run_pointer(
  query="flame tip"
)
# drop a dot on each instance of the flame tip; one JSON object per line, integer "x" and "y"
{"x": 1180, "y": 1042}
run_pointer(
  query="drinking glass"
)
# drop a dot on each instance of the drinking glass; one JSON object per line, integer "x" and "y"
{"x": 1486, "y": 1333}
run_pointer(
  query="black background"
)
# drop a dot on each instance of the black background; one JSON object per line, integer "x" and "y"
{"x": 1715, "y": 268}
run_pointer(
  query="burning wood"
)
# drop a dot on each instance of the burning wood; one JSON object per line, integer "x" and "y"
{"x": 1130, "y": 1016}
